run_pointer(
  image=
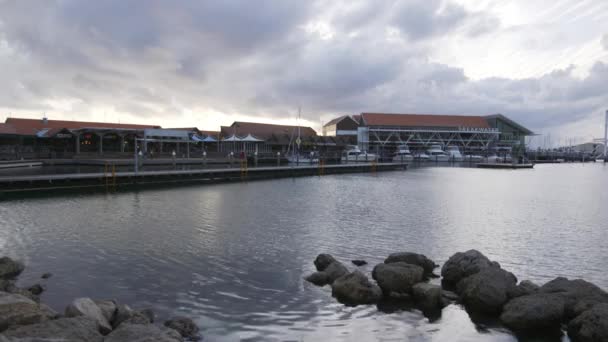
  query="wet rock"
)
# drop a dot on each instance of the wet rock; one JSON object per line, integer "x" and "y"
{"x": 574, "y": 292}
{"x": 36, "y": 289}
{"x": 149, "y": 314}
{"x": 359, "y": 262}
{"x": 108, "y": 308}
{"x": 123, "y": 312}
{"x": 46, "y": 275}
{"x": 332, "y": 272}
{"x": 462, "y": 265}
{"x": 19, "y": 310}
{"x": 397, "y": 279}
{"x": 87, "y": 307}
{"x": 185, "y": 327}
{"x": 125, "y": 315}
{"x": 415, "y": 259}
{"x": 354, "y": 289}
{"x": 428, "y": 296}
{"x": 524, "y": 288}
{"x": 10, "y": 268}
{"x": 74, "y": 329}
{"x": 531, "y": 313}
{"x": 322, "y": 261}
{"x": 448, "y": 297}
{"x": 143, "y": 333}
{"x": 49, "y": 312}
{"x": 487, "y": 291}
{"x": 591, "y": 325}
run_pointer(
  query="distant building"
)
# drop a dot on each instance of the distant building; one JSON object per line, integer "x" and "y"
{"x": 344, "y": 125}
{"x": 593, "y": 148}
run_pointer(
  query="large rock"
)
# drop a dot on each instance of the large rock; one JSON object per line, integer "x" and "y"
{"x": 19, "y": 310}
{"x": 143, "y": 333}
{"x": 108, "y": 309}
{"x": 575, "y": 292}
{"x": 462, "y": 265}
{"x": 355, "y": 288}
{"x": 185, "y": 327}
{"x": 332, "y": 272}
{"x": 428, "y": 296}
{"x": 87, "y": 307}
{"x": 74, "y": 329}
{"x": 10, "y": 268}
{"x": 323, "y": 260}
{"x": 125, "y": 315}
{"x": 396, "y": 279}
{"x": 591, "y": 325}
{"x": 539, "y": 311}
{"x": 487, "y": 291}
{"x": 524, "y": 288}
{"x": 413, "y": 258}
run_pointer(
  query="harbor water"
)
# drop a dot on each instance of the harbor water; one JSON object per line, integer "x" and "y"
{"x": 233, "y": 256}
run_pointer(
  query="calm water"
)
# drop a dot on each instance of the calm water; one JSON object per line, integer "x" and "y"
{"x": 233, "y": 256}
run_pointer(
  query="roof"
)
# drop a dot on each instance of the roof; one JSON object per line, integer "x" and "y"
{"x": 510, "y": 122}
{"x": 424, "y": 120}
{"x": 7, "y": 129}
{"x": 33, "y": 126}
{"x": 264, "y": 131}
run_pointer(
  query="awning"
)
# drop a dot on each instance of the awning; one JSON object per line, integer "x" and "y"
{"x": 207, "y": 139}
{"x": 232, "y": 138}
{"x": 250, "y": 138}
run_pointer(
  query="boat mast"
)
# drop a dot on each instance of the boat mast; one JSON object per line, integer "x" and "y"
{"x": 606, "y": 137}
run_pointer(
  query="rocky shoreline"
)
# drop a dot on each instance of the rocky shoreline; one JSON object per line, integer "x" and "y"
{"x": 23, "y": 318}
{"x": 486, "y": 290}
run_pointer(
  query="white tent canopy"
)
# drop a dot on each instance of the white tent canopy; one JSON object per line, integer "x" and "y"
{"x": 233, "y": 138}
{"x": 209, "y": 139}
{"x": 250, "y": 138}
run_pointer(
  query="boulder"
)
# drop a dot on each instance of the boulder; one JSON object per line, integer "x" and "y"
{"x": 87, "y": 307}
{"x": 354, "y": 289}
{"x": 397, "y": 279}
{"x": 487, "y": 291}
{"x": 415, "y": 259}
{"x": 462, "y": 265}
{"x": 123, "y": 312}
{"x": 36, "y": 289}
{"x": 6, "y": 285}
{"x": 148, "y": 313}
{"x": 359, "y": 262}
{"x": 185, "y": 327}
{"x": 591, "y": 325}
{"x": 575, "y": 292}
{"x": 524, "y": 288}
{"x": 46, "y": 275}
{"x": 10, "y": 268}
{"x": 143, "y": 333}
{"x": 332, "y": 272}
{"x": 428, "y": 296}
{"x": 125, "y": 315}
{"x": 19, "y": 310}
{"x": 531, "y": 313}
{"x": 322, "y": 261}
{"x": 108, "y": 308}
{"x": 73, "y": 329}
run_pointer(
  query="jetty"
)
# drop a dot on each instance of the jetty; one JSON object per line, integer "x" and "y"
{"x": 114, "y": 180}
{"x": 505, "y": 166}
{"x": 19, "y": 164}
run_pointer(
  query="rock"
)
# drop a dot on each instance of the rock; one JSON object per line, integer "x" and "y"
{"x": 143, "y": 333}
{"x": 6, "y": 285}
{"x": 49, "y": 312}
{"x": 397, "y": 278}
{"x": 87, "y": 307}
{"x": 531, "y": 313}
{"x": 428, "y": 296}
{"x": 36, "y": 289}
{"x": 354, "y": 289}
{"x": 322, "y": 261}
{"x": 123, "y": 312}
{"x": 462, "y": 265}
{"x": 108, "y": 309}
{"x": 149, "y": 314}
{"x": 125, "y": 315}
{"x": 25, "y": 293}
{"x": 74, "y": 329}
{"x": 359, "y": 262}
{"x": 524, "y": 288}
{"x": 10, "y": 268}
{"x": 575, "y": 291}
{"x": 415, "y": 259}
{"x": 185, "y": 327}
{"x": 19, "y": 310}
{"x": 591, "y": 325}
{"x": 46, "y": 275}
{"x": 332, "y": 272}
{"x": 487, "y": 291}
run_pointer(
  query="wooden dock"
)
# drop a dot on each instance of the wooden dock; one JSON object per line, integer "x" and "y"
{"x": 120, "y": 180}
{"x": 506, "y": 166}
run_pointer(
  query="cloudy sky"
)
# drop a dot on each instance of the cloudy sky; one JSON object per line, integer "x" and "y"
{"x": 206, "y": 63}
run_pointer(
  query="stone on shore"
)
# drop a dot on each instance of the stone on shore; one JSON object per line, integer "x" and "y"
{"x": 428, "y": 296}
{"x": 487, "y": 291}
{"x": 185, "y": 327}
{"x": 329, "y": 274}
{"x": 524, "y": 288}
{"x": 73, "y": 329}
{"x": 462, "y": 265}
{"x": 19, "y": 310}
{"x": 415, "y": 259}
{"x": 46, "y": 275}
{"x": 10, "y": 268}
{"x": 591, "y": 325}
{"x": 36, "y": 289}
{"x": 359, "y": 262}
{"x": 108, "y": 309}
{"x": 143, "y": 333}
{"x": 396, "y": 279}
{"x": 125, "y": 315}
{"x": 355, "y": 288}
{"x": 531, "y": 313}
{"x": 87, "y": 307}
{"x": 575, "y": 292}
{"x": 322, "y": 261}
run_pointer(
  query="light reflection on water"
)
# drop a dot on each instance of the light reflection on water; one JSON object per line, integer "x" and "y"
{"x": 233, "y": 256}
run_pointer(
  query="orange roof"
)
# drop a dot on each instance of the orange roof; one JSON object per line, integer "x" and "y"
{"x": 424, "y": 120}
{"x": 7, "y": 129}
{"x": 264, "y": 131}
{"x": 33, "y": 126}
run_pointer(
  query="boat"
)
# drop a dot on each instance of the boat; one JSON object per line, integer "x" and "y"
{"x": 437, "y": 154}
{"x": 294, "y": 155}
{"x": 454, "y": 153}
{"x": 403, "y": 154}
{"x": 421, "y": 156}
{"x": 354, "y": 154}
{"x": 473, "y": 158}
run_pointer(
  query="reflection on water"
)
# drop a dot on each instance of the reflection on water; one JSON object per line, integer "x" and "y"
{"x": 233, "y": 256}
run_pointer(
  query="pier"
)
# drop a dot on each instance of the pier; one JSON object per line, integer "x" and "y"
{"x": 504, "y": 166}
{"x": 121, "y": 180}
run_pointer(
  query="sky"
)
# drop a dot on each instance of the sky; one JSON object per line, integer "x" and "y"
{"x": 543, "y": 63}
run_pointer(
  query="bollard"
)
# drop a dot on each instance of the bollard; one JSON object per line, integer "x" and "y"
{"x": 231, "y": 157}
{"x": 278, "y": 158}
{"x": 204, "y": 158}
{"x": 255, "y": 158}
